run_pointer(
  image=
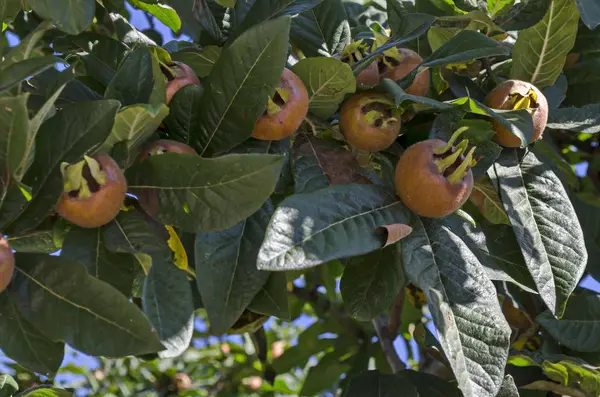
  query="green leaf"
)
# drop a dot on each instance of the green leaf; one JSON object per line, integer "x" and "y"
{"x": 86, "y": 246}
{"x": 538, "y": 206}
{"x": 14, "y": 122}
{"x": 38, "y": 241}
{"x": 327, "y": 81}
{"x": 336, "y": 222}
{"x": 70, "y": 16}
{"x": 236, "y": 91}
{"x": 168, "y": 304}
{"x": 201, "y": 61}
{"x": 184, "y": 112}
{"x": 44, "y": 391}
{"x": 322, "y": 30}
{"x": 16, "y": 73}
{"x": 590, "y": 13}
{"x": 584, "y": 83}
{"x": 579, "y": 327}
{"x": 574, "y": 375}
{"x": 463, "y": 302}
{"x": 466, "y": 46}
{"x": 407, "y": 25}
{"x": 133, "y": 126}
{"x": 589, "y": 218}
{"x": 524, "y": 15}
{"x": 328, "y": 370}
{"x": 58, "y": 297}
{"x": 76, "y": 130}
{"x": 509, "y": 388}
{"x": 226, "y": 261}
{"x": 498, "y": 7}
{"x": 431, "y": 385}
{"x": 8, "y": 386}
{"x": 262, "y": 11}
{"x": 198, "y": 194}
{"x": 9, "y": 10}
{"x": 371, "y": 282}
{"x": 585, "y": 119}
{"x": 27, "y": 46}
{"x": 22, "y": 342}
{"x": 490, "y": 205}
{"x": 272, "y": 299}
{"x": 377, "y": 384}
{"x": 298, "y": 355}
{"x": 135, "y": 80}
{"x": 162, "y": 12}
{"x": 540, "y": 51}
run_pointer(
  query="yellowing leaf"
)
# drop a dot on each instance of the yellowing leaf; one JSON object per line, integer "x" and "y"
{"x": 181, "y": 259}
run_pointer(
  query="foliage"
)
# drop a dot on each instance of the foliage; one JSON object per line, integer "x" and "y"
{"x": 291, "y": 267}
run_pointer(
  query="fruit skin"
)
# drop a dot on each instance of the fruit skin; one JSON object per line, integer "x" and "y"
{"x": 7, "y": 264}
{"x": 182, "y": 382}
{"x": 357, "y": 130}
{"x": 422, "y": 188}
{"x": 104, "y": 204}
{"x": 410, "y": 60}
{"x": 275, "y": 127}
{"x": 184, "y": 75}
{"x": 370, "y": 76}
{"x": 498, "y": 98}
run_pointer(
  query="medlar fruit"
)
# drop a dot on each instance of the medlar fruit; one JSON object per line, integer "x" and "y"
{"x": 182, "y": 382}
{"x": 516, "y": 95}
{"x": 353, "y": 53}
{"x": 434, "y": 178}
{"x": 285, "y": 110}
{"x": 94, "y": 191}
{"x": 397, "y": 63}
{"x": 179, "y": 75}
{"x": 7, "y": 264}
{"x": 368, "y": 123}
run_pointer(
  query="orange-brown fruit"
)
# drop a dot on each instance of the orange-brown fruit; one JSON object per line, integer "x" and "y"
{"x": 182, "y": 382}
{"x": 253, "y": 382}
{"x": 178, "y": 77}
{"x": 277, "y": 349}
{"x": 7, "y": 264}
{"x": 94, "y": 191}
{"x": 516, "y": 95}
{"x": 148, "y": 198}
{"x": 397, "y": 63}
{"x": 434, "y": 178}
{"x": 368, "y": 122}
{"x": 285, "y": 110}
{"x": 352, "y": 54}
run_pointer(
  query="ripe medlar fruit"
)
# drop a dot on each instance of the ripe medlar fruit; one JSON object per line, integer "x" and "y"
{"x": 397, "y": 63}
{"x": 7, "y": 264}
{"x": 434, "y": 178}
{"x": 178, "y": 76}
{"x": 352, "y": 54}
{"x": 182, "y": 382}
{"x": 285, "y": 110}
{"x": 368, "y": 123}
{"x": 94, "y": 191}
{"x": 516, "y": 95}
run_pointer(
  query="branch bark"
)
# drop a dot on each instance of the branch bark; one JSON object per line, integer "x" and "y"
{"x": 386, "y": 340}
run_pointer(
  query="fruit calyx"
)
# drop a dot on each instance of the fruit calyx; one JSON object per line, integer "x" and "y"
{"x": 391, "y": 59}
{"x": 517, "y": 101}
{"x": 354, "y": 52}
{"x": 83, "y": 179}
{"x": 279, "y": 99}
{"x": 378, "y": 112}
{"x": 451, "y": 160}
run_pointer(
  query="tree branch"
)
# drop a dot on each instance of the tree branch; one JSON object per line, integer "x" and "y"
{"x": 386, "y": 340}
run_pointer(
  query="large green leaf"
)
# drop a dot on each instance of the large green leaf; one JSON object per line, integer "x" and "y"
{"x": 509, "y": 388}
{"x": 136, "y": 79}
{"x": 538, "y": 206}
{"x": 45, "y": 391}
{"x": 404, "y": 23}
{"x": 590, "y": 12}
{"x": 574, "y": 375}
{"x": 466, "y": 46}
{"x": 87, "y": 247}
{"x": 322, "y": 30}
{"x": 579, "y": 328}
{"x": 540, "y": 51}
{"x": 272, "y": 299}
{"x": 184, "y": 112}
{"x": 16, "y": 73}
{"x": 228, "y": 278}
{"x": 262, "y": 11}
{"x": 9, "y": 10}
{"x": 162, "y": 12}
{"x": 463, "y": 302}
{"x": 70, "y": 16}
{"x": 237, "y": 89}
{"x": 328, "y": 370}
{"x": 77, "y": 130}
{"x": 371, "y": 282}
{"x": 62, "y": 301}
{"x": 168, "y": 303}
{"x": 201, "y": 61}
{"x": 584, "y": 83}
{"x": 22, "y": 342}
{"x": 327, "y": 81}
{"x": 523, "y": 15}
{"x": 200, "y": 194}
{"x": 585, "y": 119}
{"x": 589, "y": 218}
{"x": 8, "y": 386}
{"x": 37, "y": 241}
{"x": 14, "y": 122}
{"x": 339, "y": 221}
{"x": 377, "y": 384}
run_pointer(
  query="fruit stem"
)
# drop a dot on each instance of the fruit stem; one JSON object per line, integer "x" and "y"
{"x": 443, "y": 164}
{"x": 454, "y": 137}
{"x": 458, "y": 174}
